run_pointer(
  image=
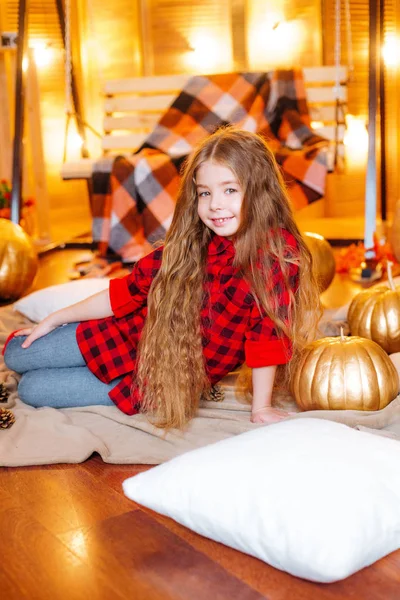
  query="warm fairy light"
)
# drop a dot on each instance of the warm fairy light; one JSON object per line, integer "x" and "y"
{"x": 391, "y": 50}
{"x": 77, "y": 543}
{"x": 356, "y": 133}
{"x": 317, "y": 124}
{"x": 275, "y": 41}
{"x": 43, "y": 53}
{"x": 208, "y": 52}
{"x": 356, "y": 140}
{"x": 75, "y": 142}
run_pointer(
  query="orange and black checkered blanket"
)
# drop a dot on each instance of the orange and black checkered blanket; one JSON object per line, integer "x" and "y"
{"x": 134, "y": 198}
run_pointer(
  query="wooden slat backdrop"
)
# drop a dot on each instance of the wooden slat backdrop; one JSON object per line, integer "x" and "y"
{"x": 392, "y": 27}
{"x": 303, "y": 17}
{"x": 181, "y": 31}
{"x": 358, "y": 91}
{"x": 43, "y": 26}
{"x": 110, "y": 48}
{"x": 113, "y": 47}
{"x": 172, "y": 28}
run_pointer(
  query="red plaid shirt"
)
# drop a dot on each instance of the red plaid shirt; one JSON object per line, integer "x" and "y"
{"x": 233, "y": 330}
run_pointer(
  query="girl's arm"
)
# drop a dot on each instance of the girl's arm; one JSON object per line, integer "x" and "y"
{"x": 122, "y": 297}
{"x": 261, "y": 409}
{"x": 263, "y": 382}
{"x": 94, "y": 307}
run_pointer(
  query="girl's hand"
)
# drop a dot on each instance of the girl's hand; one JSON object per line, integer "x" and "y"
{"x": 268, "y": 414}
{"x": 36, "y": 332}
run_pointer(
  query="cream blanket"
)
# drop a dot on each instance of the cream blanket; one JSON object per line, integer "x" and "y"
{"x": 46, "y": 435}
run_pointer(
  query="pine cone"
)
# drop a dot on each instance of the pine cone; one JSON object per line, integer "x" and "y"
{"x": 217, "y": 393}
{"x": 3, "y": 393}
{"x": 6, "y": 418}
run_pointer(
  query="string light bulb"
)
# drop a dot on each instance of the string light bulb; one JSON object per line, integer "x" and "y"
{"x": 43, "y": 54}
{"x": 391, "y": 50}
{"x": 356, "y": 140}
{"x": 75, "y": 141}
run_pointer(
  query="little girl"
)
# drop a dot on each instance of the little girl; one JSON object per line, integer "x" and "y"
{"x": 232, "y": 284}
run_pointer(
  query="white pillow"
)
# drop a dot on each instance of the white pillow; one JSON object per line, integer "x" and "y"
{"x": 310, "y": 497}
{"x": 38, "y": 305}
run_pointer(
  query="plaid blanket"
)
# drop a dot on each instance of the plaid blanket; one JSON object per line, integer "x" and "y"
{"x": 134, "y": 197}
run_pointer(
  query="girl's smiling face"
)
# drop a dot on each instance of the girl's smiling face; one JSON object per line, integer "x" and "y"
{"x": 220, "y": 198}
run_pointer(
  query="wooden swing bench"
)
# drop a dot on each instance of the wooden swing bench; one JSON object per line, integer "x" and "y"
{"x": 133, "y": 106}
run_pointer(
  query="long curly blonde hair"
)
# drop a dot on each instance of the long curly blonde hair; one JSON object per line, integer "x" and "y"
{"x": 171, "y": 374}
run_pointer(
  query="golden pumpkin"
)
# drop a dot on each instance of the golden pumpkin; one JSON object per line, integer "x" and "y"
{"x": 323, "y": 259}
{"x": 375, "y": 314}
{"x": 18, "y": 261}
{"x": 344, "y": 373}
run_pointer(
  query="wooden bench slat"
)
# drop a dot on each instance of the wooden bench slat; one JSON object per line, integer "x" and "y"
{"x": 161, "y": 103}
{"x": 323, "y": 94}
{"x": 326, "y": 113}
{"x": 130, "y": 141}
{"x": 78, "y": 170}
{"x": 130, "y": 122}
{"x": 146, "y": 85}
{"x": 134, "y": 140}
{"x": 329, "y": 132}
{"x": 164, "y": 83}
{"x": 138, "y": 103}
{"x": 324, "y": 74}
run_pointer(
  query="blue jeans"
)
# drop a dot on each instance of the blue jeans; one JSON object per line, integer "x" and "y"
{"x": 54, "y": 372}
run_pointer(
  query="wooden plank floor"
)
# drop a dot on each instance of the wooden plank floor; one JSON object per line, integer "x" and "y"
{"x": 68, "y": 532}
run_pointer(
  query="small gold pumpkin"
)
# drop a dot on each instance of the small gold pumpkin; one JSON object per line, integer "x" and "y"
{"x": 323, "y": 259}
{"x": 342, "y": 373}
{"x": 18, "y": 261}
{"x": 375, "y": 314}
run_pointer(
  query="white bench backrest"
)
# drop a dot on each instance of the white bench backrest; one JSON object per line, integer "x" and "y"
{"x": 133, "y": 106}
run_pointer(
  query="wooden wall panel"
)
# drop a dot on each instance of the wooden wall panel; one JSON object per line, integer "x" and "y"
{"x": 131, "y": 37}
{"x": 186, "y": 36}
{"x": 110, "y": 47}
{"x": 358, "y": 95}
{"x": 392, "y": 78}
{"x": 284, "y": 33}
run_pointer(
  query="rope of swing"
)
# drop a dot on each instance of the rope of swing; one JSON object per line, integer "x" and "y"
{"x": 69, "y": 105}
{"x": 338, "y": 88}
